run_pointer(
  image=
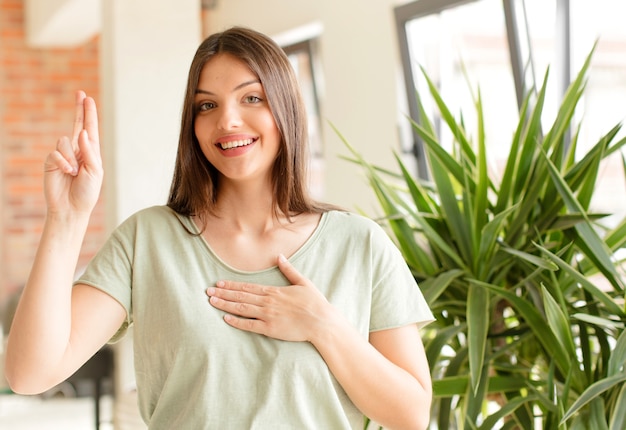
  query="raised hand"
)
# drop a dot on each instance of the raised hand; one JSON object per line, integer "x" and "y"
{"x": 295, "y": 313}
{"x": 73, "y": 172}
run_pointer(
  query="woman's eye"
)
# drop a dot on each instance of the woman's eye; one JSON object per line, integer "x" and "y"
{"x": 203, "y": 107}
{"x": 253, "y": 99}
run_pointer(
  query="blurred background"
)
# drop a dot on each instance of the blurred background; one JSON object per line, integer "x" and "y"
{"x": 358, "y": 63}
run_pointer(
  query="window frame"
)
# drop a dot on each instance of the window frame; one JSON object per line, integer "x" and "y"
{"x": 517, "y": 36}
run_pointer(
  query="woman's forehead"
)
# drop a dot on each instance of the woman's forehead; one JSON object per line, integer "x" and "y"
{"x": 225, "y": 72}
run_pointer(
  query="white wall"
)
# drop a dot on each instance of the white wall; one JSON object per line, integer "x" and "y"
{"x": 360, "y": 63}
{"x": 145, "y": 57}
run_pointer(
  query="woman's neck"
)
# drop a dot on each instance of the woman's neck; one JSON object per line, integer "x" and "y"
{"x": 248, "y": 208}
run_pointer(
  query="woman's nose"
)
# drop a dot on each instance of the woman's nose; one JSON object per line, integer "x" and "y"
{"x": 229, "y": 118}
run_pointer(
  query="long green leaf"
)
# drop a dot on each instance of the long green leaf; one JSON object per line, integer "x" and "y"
{"x": 594, "y": 390}
{"x": 585, "y": 173}
{"x": 457, "y": 131}
{"x": 558, "y": 323}
{"x": 596, "y": 248}
{"x": 454, "y": 218}
{"x": 480, "y": 201}
{"x": 597, "y": 418}
{"x": 505, "y": 195}
{"x": 489, "y": 240}
{"x": 525, "y": 157}
{"x": 510, "y": 407}
{"x": 432, "y": 288}
{"x": 435, "y": 239}
{"x": 598, "y": 321}
{"x": 618, "y": 418}
{"x": 616, "y": 238}
{"x": 417, "y": 192}
{"x": 617, "y": 361}
{"x": 435, "y": 346}
{"x": 477, "y": 329}
{"x": 451, "y": 165}
{"x": 475, "y": 399}
{"x": 570, "y": 101}
{"x": 600, "y": 295}
{"x": 537, "y": 323}
{"x": 456, "y": 385}
{"x": 530, "y": 258}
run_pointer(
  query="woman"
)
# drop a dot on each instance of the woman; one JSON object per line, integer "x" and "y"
{"x": 252, "y": 306}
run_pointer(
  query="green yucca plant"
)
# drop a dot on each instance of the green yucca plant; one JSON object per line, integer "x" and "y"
{"x": 525, "y": 281}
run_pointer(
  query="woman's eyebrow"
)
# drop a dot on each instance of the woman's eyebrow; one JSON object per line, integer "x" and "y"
{"x": 238, "y": 87}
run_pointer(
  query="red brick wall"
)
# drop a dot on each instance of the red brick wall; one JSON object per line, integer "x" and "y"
{"x": 36, "y": 107}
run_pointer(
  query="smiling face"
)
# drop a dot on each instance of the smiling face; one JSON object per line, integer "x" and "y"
{"x": 233, "y": 123}
{"x": 201, "y": 169}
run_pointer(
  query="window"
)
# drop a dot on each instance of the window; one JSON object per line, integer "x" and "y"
{"x": 302, "y": 57}
{"x": 504, "y": 48}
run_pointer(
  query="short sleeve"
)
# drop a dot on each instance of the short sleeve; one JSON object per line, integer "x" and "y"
{"x": 111, "y": 271}
{"x": 396, "y": 297}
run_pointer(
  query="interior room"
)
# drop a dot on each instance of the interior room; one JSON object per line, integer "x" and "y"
{"x": 359, "y": 66}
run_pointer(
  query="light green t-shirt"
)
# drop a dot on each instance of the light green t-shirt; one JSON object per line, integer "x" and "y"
{"x": 195, "y": 372}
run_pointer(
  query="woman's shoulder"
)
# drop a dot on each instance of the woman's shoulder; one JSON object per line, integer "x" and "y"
{"x": 357, "y": 231}
{"x": 352, "y": 222}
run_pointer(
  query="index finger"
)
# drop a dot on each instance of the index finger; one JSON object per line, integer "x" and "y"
{"x": 290, "y": 272}
{"x": 91, "y": 119}
{"x": 246, "y": 287}
{"x": 79, "y": 115}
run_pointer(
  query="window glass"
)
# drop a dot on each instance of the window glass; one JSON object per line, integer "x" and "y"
{"x": 465, "y": 48}
{"x": 301, "y": 56}
{"x": 604, "y": 103}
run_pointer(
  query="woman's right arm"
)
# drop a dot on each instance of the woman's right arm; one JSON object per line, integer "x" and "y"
{"x": 57, "y": 328}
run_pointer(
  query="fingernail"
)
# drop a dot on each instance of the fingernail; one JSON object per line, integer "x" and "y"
{"x": 71, "y": 170}
{"x": 282, "y": 258}
{"x": 210, "y": 291}
{"x": 219, "y": 284}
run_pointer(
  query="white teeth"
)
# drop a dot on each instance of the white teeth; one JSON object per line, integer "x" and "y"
{"x": 235, "y": 143}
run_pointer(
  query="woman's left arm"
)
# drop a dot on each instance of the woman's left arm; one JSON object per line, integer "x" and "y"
{"x": 387, "y": 378}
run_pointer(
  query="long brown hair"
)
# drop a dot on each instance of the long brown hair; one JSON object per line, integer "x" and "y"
{"x": 194, "y": 186}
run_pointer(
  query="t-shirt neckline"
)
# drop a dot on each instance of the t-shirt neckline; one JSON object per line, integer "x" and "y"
{"x": 293, "y": 257}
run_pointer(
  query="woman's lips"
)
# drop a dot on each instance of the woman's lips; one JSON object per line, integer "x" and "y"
{"x": 235, "y": 143}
